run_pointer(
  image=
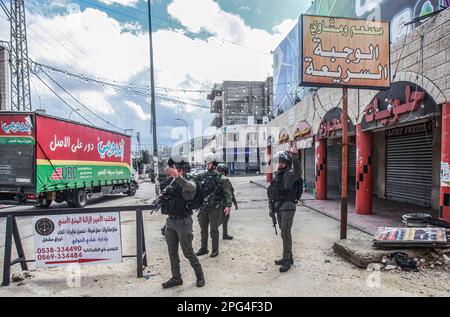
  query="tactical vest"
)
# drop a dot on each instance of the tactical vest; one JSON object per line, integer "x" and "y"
{"x": 277, "y": 192}
{"x": 174, "y": 204}
{"x": 211, "y": 188}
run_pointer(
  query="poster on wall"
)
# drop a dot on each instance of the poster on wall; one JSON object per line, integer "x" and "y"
{"x": 445, "y": 174}
{"x": 61, "y": 240}
{"x": 342, "y": 52}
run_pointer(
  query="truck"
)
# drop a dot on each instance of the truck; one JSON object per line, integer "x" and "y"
{"x": 44, "y": 158}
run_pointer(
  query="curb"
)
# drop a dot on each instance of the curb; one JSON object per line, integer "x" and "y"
{"x": 357, "y": 227}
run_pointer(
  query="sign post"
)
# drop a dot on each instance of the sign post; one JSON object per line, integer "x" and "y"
{"x": 344, "y": 194}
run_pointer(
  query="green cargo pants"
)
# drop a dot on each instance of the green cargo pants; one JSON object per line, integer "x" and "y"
{"x": 210, "y": 217}
{"x": 285, "y": 219}
{"x": 224, "y": 223}
{"x": 179, "y": 232}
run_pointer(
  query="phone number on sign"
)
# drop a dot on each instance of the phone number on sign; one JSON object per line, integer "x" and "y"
{"x": 59, "y": 256}
{"x": 59, "y": 250}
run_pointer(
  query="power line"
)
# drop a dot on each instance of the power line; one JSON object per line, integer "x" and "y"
{"x": 60, "y": 98}
{"x": 79, "y": 102}
{"x": 138, "y": 91}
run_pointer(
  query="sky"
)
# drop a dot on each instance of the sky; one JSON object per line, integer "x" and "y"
{"x": 196, "y": 43}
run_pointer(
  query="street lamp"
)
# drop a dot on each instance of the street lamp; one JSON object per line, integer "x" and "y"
{"x": 187, "y": 134}
{"x": 73, "y": 110}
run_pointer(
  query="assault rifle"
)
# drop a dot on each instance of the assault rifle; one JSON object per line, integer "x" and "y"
{"x": 156, "y": 204}
{"x": 273, "y": 216}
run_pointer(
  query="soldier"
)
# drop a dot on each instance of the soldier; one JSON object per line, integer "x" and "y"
{"x": 283, "y": 194}
{"x": 216, "y": 193}
{"x": 223, "y": 169}
{"x": 178, "y": 229}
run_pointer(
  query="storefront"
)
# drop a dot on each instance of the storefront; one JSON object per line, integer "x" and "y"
{"x": 304, "y": 139}
{"x": 402, "y": 127}
{"x": 330, "y": 136}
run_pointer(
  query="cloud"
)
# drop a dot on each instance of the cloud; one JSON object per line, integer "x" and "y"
{"x": 96, "y": 100}
{"x": 91, "y": 42}
{"x": 137, "y": 110}
{"x": 121, "y": 2}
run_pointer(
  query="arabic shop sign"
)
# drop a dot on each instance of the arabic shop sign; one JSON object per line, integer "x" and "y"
{"x": 284, "y": 136}
{"x": 302, "y": 131}
{"x": 404, "y": 102}
{"x": 69, "y": 239}
{"x": 331, "y": 125}
{"x": 345, "y": 52}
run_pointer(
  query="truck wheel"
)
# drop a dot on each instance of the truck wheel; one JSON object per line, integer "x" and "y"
{"x": 132, "y": 189}
{"x": 80, "y": 199}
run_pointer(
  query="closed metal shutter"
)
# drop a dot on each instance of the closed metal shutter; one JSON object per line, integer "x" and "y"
{"x": 352, "y": 168}
{"x": 310, "y": 169}
{"x": 409, "y": 168}
{"x": 334, "y": 159}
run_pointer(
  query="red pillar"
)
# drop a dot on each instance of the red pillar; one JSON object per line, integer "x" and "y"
{"x": 269, "y": 175}
{"x": 321, "y": 169}
{"x": 364, "y": 185}
{"x": 445, "y": 163}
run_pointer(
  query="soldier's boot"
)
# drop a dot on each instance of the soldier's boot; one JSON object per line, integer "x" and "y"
{"x": 214, "y": 253}
{"x": 286, "y": 266}
{"x": 174, "y": 281}
{"x": 200, "y": 279}
{"x": 227, "y": 237}
{"x": 201, "y": 252}
{"x": 280, "y": 261}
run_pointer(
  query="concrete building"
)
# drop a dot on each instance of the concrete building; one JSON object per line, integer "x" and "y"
{"x": 5, "y": 80}
{"x": 240, "y": 102}
{"x": 406, "y": 156}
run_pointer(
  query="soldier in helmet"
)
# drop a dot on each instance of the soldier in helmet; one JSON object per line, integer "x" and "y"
{"x": 283, "y": 195}
{"x": 216, "y": 194}
{"x": 178, "y": 229}
{"x": 223, "y": 169}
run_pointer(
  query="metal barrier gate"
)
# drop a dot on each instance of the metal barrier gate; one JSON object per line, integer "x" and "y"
{"x": 12, "y": 232}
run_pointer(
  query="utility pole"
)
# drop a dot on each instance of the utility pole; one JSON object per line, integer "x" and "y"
{"x": 152, "y": 102}
{"x": 344, "y": 193}
{"x": 20, "y": 68}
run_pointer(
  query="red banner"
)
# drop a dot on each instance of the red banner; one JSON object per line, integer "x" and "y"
{"x": 62, "y": 140}
{"x": 16, "y": 125}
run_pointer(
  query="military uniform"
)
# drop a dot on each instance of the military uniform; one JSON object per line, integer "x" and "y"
{"x": 178, "y": 229}
{"x": 284, "y": 204}
{"x": 226, "y": 218}
{"x": 211, "y": 214}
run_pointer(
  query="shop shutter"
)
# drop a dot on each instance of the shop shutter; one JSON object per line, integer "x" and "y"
{"x": 334, "y": 159}
{"x": 310, "y": 169}
{"x": 409, "y": 168}
{"x": 351, "y": 168}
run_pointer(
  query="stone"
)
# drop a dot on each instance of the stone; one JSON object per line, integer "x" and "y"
{"x": 17, "y": 278}
{"x": 361, "y": 252}
{"x": 438, "y": 263}
{"x": 432, "y": 266}
{"x": 390, "y": 267}
{"x": 374, "y": 267}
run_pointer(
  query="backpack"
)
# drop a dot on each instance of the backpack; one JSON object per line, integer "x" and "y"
{"x": 197, "y": 202}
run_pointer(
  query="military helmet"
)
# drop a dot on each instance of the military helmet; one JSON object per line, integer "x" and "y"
{"x": 179, "y": 161}
{"x": 222, "y": 168}
{"x": 211, "y": 158}
{"x": 282, "y": 156}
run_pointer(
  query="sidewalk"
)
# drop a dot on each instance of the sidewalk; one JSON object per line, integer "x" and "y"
{"x": 385, "y": 213}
